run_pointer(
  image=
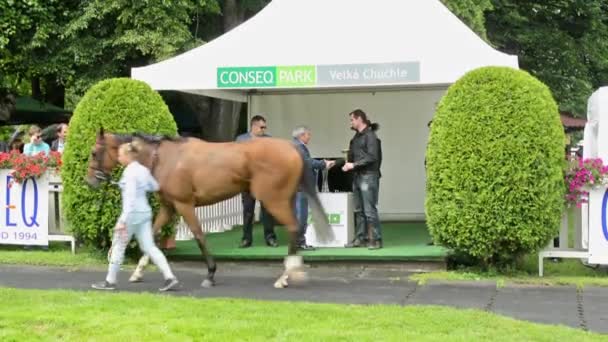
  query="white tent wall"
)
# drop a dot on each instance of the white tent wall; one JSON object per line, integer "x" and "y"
{"x": 403, "y": 116}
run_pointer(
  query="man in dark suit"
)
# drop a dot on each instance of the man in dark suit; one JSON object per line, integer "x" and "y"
{"x": 257, "y": 130}
{"x": 301, "y": 138}
{"x": 59, "y": 143}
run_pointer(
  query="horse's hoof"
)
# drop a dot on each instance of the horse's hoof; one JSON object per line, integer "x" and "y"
{"x": 281, "y": 283}
{"x": 208, "y": 283}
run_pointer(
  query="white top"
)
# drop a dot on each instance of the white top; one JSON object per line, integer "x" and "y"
{"x": 135, "y": 183}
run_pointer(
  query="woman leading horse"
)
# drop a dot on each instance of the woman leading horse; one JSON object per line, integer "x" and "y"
{"x": 193, "y": 173}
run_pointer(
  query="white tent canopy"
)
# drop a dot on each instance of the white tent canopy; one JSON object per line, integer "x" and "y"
{"x": 401, "y": 42}
{"x": 313, "y": 61}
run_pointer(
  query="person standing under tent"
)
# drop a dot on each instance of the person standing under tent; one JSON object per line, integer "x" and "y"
{"x": 257, "y": 130}
{"x": 301, "y": 138}
{"x": 364, "y": 159}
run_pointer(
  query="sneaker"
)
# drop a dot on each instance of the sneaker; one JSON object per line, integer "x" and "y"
{"x": 306, "y": 247}
{"x": 272, "y": 242}
{"x": 377, "y": 244}
{"x": 169, "y": 285}
{"x": 104, "y": 285}
{"x": 355, "y": 243}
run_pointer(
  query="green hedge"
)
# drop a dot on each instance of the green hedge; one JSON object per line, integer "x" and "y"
{"x": 120, "y": 105}
{"x": 495, "y": 187}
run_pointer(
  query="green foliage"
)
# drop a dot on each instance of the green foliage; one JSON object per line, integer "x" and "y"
{"x": 471, "y": 12}
{"x": 73, "y": 44}
{"x": 564, "y": 43}
{"x": 119, "y": 105}
{"x": 495, "y": 185}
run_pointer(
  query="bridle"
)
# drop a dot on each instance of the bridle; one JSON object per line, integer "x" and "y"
{"x": 98, "y": 172}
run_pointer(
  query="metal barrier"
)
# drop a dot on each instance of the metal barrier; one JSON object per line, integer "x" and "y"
{"x": 215, "y": 218}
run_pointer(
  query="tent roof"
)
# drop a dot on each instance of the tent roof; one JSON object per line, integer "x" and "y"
{"x": 327, "y": 42}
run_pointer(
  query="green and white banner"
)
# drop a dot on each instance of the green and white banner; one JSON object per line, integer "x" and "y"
{"x": 301, "y": 76}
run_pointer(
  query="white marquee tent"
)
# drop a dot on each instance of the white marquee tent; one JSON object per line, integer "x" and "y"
{"x": 313, "y": 61}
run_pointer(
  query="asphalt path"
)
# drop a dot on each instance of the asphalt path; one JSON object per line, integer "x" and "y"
{"x": 354, "y": 284}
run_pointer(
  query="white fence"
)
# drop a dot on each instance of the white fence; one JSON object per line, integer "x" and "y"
{"x": 215, "y": 218}
{"x": 578, "y": 247}
{"x": 57, "y": 223}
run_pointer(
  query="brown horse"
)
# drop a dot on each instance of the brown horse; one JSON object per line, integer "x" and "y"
{"x": 192, "y": 172}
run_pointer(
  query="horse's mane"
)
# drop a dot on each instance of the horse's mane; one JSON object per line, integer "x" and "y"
{"x": 147, "y": 138}
{"x": 157, "y": 139}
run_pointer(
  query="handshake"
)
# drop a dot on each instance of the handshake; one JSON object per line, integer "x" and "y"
{"x": 329, "y": 163}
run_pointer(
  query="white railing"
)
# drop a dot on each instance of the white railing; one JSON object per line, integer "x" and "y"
{"x": 579, "y": 247}
{"x": 57, "y": 224}
{"x": 215, "y": 218}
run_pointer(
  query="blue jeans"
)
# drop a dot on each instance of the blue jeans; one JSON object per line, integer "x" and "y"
{"x": 140, "y": 225}
{"x": 301, "y": 208}
{"x": 365, "y": 197}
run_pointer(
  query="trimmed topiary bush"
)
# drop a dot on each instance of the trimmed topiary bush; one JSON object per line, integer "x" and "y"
{"x": 120, "y": 105}
{"x": 495, "y": 185}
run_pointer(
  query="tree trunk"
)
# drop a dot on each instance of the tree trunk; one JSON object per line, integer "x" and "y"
{"x": 36, "y": 89}
{"x": 219, "y": 119}
{"x": 54, "y": 91}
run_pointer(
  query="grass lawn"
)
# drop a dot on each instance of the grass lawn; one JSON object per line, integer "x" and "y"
{"x": 80, "y": 316}
{"x": 565, "y": 272}
{"x": 57, "y": 255}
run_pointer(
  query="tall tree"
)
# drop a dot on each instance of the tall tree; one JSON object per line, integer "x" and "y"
{"x": 471, "y": 12}
{"x": 73, "y": 43}
{"x": 562, "y": 42}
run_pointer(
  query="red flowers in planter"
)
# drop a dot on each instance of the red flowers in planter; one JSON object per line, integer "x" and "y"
{"x": 29, "y": 166}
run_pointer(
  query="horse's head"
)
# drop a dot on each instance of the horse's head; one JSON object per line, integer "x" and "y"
{"x": 104, "y": 157}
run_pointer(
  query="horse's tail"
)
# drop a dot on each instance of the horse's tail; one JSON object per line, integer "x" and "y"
{"x": 320, "y": 220}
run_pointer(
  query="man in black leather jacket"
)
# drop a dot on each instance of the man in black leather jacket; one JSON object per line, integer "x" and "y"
{"x": 364, "y": 159}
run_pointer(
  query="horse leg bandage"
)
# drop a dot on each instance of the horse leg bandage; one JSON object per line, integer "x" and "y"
{"x": 293, "y": 262}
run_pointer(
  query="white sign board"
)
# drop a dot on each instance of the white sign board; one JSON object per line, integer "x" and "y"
{"x": 339, "y": 209}
{"x": 598, "y": 226}
{"x": 23, "y": 210}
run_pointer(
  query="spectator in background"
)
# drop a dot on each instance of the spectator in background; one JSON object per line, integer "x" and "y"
{"x": 301, "y": 138}
{"x": 257, "y": 130}
{"x": 36, "y": 145}
{"x": 15, "y": 143}
{"x": 4, "y": 147}
{"x": 59, "y": 143}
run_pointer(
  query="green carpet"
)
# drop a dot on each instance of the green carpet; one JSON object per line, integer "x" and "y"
{"x": 402, "y": 241}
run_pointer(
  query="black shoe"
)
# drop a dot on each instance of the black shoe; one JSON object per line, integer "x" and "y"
{"x": 355, "y": 244}
{"x": 272, "y": 243}
{"x": 169, "y": 285}
{"x": 377, "y": 244}
{"x": 245, "y": 244}
{"x": 104, "y": 285}
{"x": 306, "y": 247}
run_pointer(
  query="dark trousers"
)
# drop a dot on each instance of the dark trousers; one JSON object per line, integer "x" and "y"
{"x": 248, "y": 213}
{"x": 301, "y": 209}
{"x": 365, "y": 198}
